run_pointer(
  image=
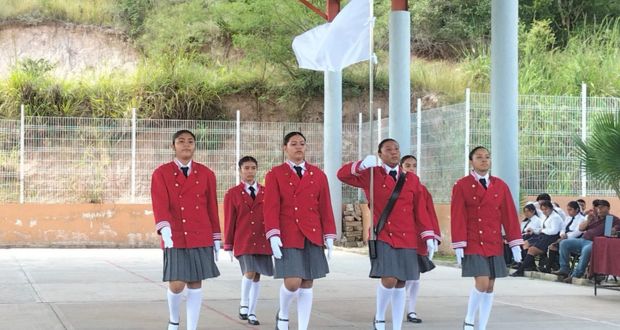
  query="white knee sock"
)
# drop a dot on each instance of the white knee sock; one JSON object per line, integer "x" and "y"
{"x": 254, "y": 290}
{"x": 413, "y": 289}
{"x": 474, "y": 301}
{"x": 485, "y": 310}
{"x": 246, "y": 283}
{"x": 304, "y": 308}
{"x": 398, "y": 307}
{"x": 174, "y": 302}
{"x": 194, "y": 302}
{"x": 384, "y": 297}
{"x": 286, "y": 297}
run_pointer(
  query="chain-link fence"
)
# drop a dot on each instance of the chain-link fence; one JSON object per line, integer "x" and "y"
{"x": 111, "y": 160}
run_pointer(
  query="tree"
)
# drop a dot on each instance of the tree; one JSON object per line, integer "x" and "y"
{"x": 599, "y": 153}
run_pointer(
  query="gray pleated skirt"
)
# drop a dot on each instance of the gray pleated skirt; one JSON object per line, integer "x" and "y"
{"x": 477, "y": 265}
{"x": 392, "y": 262}
{"x": 308, "y": 263}
{"x": 189, "y": 265}
{"x": 256, "y": 263}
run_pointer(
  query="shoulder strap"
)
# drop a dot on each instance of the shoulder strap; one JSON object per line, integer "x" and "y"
{"x": 390, "y": 204}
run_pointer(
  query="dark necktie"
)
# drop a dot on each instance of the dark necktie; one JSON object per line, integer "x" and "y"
{"x": 252, "y": 192}
{"x": 298, "y": 169}
{"x": 526, "y": 224}
{"x": 393, "y": 174}
{"x": 567, "y": 229}
{"x": 483, "y": 182}
{"x": 185, "y": 169}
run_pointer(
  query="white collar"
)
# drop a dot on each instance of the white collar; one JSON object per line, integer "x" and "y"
{"x": 291, "y": 164}
{"x": 253, "y": 185}
{"x": 179, "y": 164}
{"x": 478, "y": 176}
{"x": 388, "y": 169}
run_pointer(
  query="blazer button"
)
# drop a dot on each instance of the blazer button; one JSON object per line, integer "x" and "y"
{"x": 251, "y": 211}
{"x": 474, "y": 197}
{"x": 183, "y": 220}
{"x": 185, "y": 233}
{"x": 481, "y": 243}
{"x": 180, "y": 196}
{"x": 390, "y": 234}
{"x": 313, "y": 229}
{"x": 254, "y": 233}
{"x": 290, "y": 183}
{"x": 480, "y": 232}
{"x": 296, "y": 220}
{"x": 252, "y": 222}
{"x": 197, "y": 195}
{"x": 196, "y": 182}
{"x": 176, "y": 184}
{"x": 389, "y": 222}
{"x": 196, "y": 207}
{"x": 254, "y": 244}
{"x": 182, "y": 208}
{"x": 295, "y": 208}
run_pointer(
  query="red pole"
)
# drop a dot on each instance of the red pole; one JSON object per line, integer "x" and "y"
{"x": 333, "y": 7}
{"x": 400, "y": 5}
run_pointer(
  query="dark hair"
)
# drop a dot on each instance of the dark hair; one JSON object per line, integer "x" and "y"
{"x": 581, "y": 201}
{"x": 546, "y": 204}
{"x": 543, "y": 197}
{"x": 384, "y": 142}
{"x": 402, "y": 160}
{"x": 183, "y": 131}
{"x": 473, "y": 151}
{"x": 531, "y": 207}
{"x": 288, "y": 136}
{"x": 246, "y": 159}
{"x": 603, "y": 202}
{"x": 596, "y": 202}
{"x": 574, "y": 205}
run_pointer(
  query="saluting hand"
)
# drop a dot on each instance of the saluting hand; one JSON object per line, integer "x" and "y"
{"x": 368, "y": 162}
{"x": 276, "y": 243}
{"x": 166, "y": 236}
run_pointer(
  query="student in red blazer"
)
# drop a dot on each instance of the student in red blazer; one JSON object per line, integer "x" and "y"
{"x": 481, "y": 205}
{"x": 183, "y": 194}
{"x": 410, "y": 164}
{"x": 245, "y": 235}
{"x": 298, "y": 219}
{"x": 407, "y": 225}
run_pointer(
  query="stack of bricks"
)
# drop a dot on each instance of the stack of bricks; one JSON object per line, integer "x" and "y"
{"x": 352, "y": 226}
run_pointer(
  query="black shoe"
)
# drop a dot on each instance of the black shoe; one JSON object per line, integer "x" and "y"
{"x": 374, "y": 323}
{"x": 243, "y": 316}
{"x": 468, "y": 326}
{"x": 517, "y": 274}
{"x": 279, "y": 319}
{"x": 560, "y": 273}
{"x": 413, "y": 318}
{"x": 253, "y": 320}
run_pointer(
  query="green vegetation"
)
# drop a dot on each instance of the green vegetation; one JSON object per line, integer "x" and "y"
{"x": 196, "y": 53}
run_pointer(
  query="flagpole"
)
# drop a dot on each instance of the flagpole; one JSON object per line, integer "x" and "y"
{"x": 370, "y": 113}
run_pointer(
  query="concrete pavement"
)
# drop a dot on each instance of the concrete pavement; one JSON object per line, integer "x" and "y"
{"x": 122, "y": 289}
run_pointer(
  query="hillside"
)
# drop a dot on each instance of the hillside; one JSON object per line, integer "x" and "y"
{"x": 205, "y": 59}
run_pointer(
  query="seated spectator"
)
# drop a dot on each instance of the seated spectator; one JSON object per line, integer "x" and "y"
{"x": 531, "y": 225}
{"x": 556, "y": 207}
{"x": 570, "y": 229}
{"x": 592, "y": 227}
{"x": 550, "y": 232}
{"x": 582, "y": 206}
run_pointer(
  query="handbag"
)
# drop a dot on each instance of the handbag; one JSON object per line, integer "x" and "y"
{"x": 372, "y": 243}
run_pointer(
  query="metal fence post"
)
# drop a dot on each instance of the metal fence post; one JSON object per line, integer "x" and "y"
{"x": 133, "y": 154}
{"x": 584, "y": 128}
{"x": 467, "y": 128}
{"x": 378, "y": 125}
{"x": 237, "y": 144}
{"x": 359, "y": 148}
{"x": 22, "y": 145}
{"x": 419, "y": 137}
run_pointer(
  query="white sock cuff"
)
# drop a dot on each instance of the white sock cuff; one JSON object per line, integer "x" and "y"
{"x": 174, "y": 294}
{"x": 287, "y": 291}
{"x": 194, "y": 291}
{"x": 381, "y": 287}
{"x": 305, "y": 290}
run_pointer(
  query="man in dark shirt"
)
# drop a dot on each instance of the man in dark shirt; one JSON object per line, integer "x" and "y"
{"x": 592, "y": 227}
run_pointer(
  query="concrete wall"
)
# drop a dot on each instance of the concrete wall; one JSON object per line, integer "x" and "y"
{"x": 131, "y": 225}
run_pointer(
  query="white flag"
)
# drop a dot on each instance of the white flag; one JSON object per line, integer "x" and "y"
{"x": 336, "y": 45}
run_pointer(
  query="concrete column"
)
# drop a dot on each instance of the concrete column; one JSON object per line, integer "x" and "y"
{"x": 505, "y": 93}
{"x": 400, "y": 79}
{"x": 332, "y": 141}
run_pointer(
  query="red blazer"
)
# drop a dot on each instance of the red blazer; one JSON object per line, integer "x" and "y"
{"x": 430, "y": 208}
{"x": 244, "y": 227}
{"x": 298, "y": 208}
{"x": 409, "y": 220}
{"x": 187, "y": 205}
{"x": 478, "y": 214}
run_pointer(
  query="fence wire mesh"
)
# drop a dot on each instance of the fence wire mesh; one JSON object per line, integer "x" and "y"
{"x": 90, "y": 159}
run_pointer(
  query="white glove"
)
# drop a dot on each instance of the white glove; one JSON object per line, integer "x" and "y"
{"x": 216, "y": 249}
{"x": 276, "y": 243}
{"x": 430, "y": 246}
{"x": 368, "y": 162}
{"x": 166, "y": 235}
{"x": 232, "y": 255}
{"x": 330, "y": 247}
{"x": 516, "y": 253}
{"x": 459, "y": 255}
{"x": 436, "y": 245}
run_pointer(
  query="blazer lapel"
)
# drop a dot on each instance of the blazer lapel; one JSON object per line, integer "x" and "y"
{"x": 247, "y": 199}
